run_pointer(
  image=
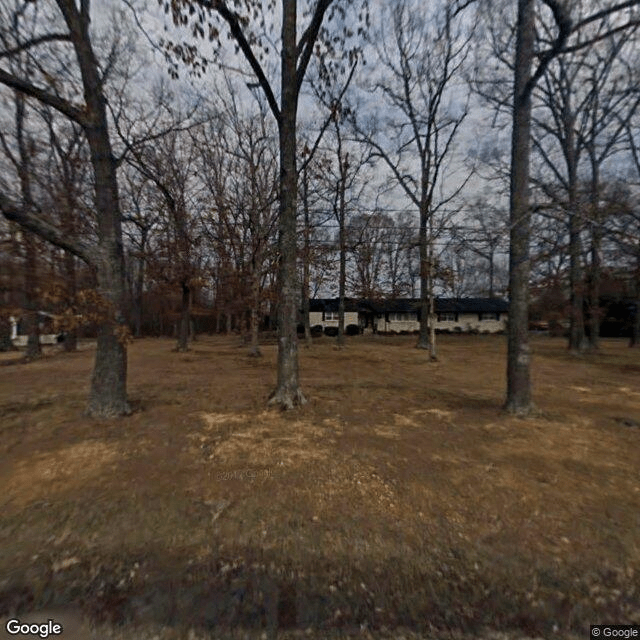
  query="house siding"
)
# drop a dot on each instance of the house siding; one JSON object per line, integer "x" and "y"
{"x": 384, "y": 317}
{"x": 315, "y": 319}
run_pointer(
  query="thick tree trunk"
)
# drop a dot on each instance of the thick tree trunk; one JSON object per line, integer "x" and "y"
{"x": 288, "y": 393}
{"x": 183, "y": 329}
{"x": 108, "y": 395}
{"x": 518, "y": 399}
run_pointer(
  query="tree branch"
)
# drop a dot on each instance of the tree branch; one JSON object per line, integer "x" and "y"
{"x": 59, "y": 104}
{"x": 84, "y": 250}
{"x": 563, "y": 21}
{"x": 308, "y": 39}
{"x": 231, "y": 18}
{"x": 34, "y": 42}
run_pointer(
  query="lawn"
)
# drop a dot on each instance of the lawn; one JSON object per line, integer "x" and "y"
{"x": 399, "y": 502}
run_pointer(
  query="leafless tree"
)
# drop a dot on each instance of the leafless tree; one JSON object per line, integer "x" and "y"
{"x": 31, "y": 29}
{"x": 421, "y": 56}
{"x": 246, "y": 25}
{"x": 568, "y": 36}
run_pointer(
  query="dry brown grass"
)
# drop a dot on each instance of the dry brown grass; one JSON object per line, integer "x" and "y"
{"x": 398, "y": 498}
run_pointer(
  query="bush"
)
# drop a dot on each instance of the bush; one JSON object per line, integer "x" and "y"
{"x": 331, "y": 331}
{"x": 316, "y": 331}
{"x": 352, "y": 330}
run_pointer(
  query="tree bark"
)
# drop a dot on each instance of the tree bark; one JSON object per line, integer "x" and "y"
{"x": 108, "y": 395}
{"x": 288, "y": 393}
{"x": 518, "y": 399}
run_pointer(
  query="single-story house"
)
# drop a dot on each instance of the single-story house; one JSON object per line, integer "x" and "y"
{"x": 323, "y": 313}
{"x": 484, "y": 315}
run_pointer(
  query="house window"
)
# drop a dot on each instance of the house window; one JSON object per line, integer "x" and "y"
{"x": 448, "y": 317}
{"x": 331, "y": 315}
{"x": 399, "y": 317}
{"x": 483, "y": 317}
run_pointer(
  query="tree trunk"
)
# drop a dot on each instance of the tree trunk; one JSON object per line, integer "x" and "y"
{"x": 31, "y": 324}
{"x": 306, "y": 267}
{"x": 518, "y": 358}
{"x": 491, "y": 272}
{"x": 254, "y": 350}
{"x": 423, "y": 339}
{"x": 288, "y": 393}
{"x": 635, "y": 326}
{"x": 183, "y": 329}
{"x": 5, "y": 334}
{"x": 108, "y": 395}
{"x": 596, "y": 243}
{"x": 139, "y": 300}
{"x": 433, "y": 355}
{"x": 343, "y": 257}
{"x": 31, "y": 320}
{"x": 71, "y": 332}
{"x": 576, "y": 282}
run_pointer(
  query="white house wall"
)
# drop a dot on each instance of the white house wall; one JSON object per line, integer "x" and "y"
{"x": 315, "y": 319}
{"x": 466, "y": 322}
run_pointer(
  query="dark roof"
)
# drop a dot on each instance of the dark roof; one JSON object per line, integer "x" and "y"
{"x": 331, "y": 304}
{"x": 472, "y": 305}
{"x": 411, "y": 305}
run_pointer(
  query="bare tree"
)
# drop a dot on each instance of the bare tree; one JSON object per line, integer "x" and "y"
{"x": 168, "y": 163}
{"x": 421, "y": 57}
{"x": 69, "y": 26}
{"x": 295, "y": 54}
{"x": 568, "y": 37}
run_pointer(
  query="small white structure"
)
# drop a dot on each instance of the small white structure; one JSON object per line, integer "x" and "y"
{"x": 20, "y": 340}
